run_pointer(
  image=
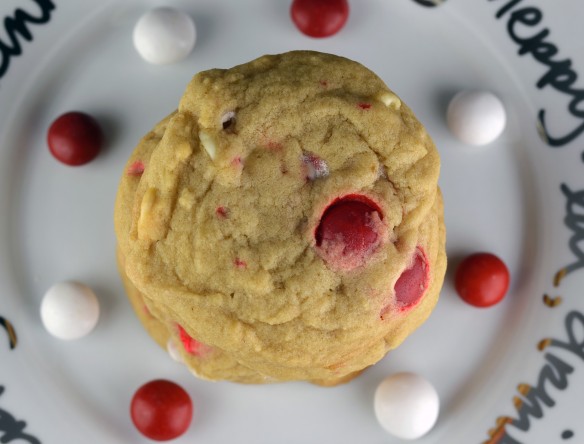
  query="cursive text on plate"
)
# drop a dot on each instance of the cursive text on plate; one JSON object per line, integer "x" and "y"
{"x": 532, "y": 400}
{"x": 524, "y": 28}
{"x": 11, "y": 429}
{"x": 17, "y": 27}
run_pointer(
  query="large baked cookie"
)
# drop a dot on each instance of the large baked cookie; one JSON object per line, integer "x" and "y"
{"x": 284, "y": 223}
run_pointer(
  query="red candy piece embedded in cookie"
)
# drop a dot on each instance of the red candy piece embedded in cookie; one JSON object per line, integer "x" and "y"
{"x": 75, "y": 138}
{"x": 482, "y": 279}
{"x": 192, "y": 346}
{"x": 319, "y": 18}
{"x": 413, "y": 282}
{"x": 350, "y": 230}
{"x": 161, "y": 410}
{"x": 411, "y": 286}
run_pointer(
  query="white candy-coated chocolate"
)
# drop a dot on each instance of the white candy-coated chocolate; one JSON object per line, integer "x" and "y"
{"x": 164, "y": 35}
{"x": 173, "y": 351}
{"x": 406, "y": 405}
{"x": 69, "y": 310}
{"x": 476, "y": 117}
{"x": 208, "y": 144}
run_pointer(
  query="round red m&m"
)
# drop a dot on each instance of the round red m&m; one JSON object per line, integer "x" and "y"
{"x": 75, "y": 138}
{"x": 482, "y": 279}
{"x": 413, "y": 282}
{"x": 349, "y": 231}
{"x": 319, "y": 18}
{"x": 161, "y": 410}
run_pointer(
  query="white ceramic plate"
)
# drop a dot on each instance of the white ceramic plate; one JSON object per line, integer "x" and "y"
{"x": 56, "y": 221}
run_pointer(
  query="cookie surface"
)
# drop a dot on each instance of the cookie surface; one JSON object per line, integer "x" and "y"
{"x": 284, "y": 223}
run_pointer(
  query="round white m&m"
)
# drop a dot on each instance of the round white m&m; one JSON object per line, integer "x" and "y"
{"x": 406, "y": 405}
{"x": 164, "y": 35}
{"x": 476, "y": 117}
{"x": 69, "y": 310}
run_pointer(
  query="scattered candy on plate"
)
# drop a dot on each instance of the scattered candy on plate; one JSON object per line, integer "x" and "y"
{"x": 406, "y": 405}
{"x": 482, "y": 279}
{"x": 69, "y": 310}
{"x": 161, "y": 410}
{"x": 319, "y": 18}
{"x": 164, "y": 35}
{"x": 476, "y": 117}
{"x": 75, "y": 138}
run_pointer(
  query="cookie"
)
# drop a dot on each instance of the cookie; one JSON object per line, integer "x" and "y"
{"x": 284, "y": 223}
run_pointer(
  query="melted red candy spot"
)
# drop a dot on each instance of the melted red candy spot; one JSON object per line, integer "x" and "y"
{"x": 350, "y": 230}
{"x": 191, "y": 346}
{"x": 413, "y": 282}
{"x": 222, "y": 212}
{"x": 239, "y": 263}
{"x": 364, "y": 105}
{"x": 75, "y": 138}
{"x": 319, "y": 18}
{"x": 161, "y": 410}
{"x": 136, "y": 168}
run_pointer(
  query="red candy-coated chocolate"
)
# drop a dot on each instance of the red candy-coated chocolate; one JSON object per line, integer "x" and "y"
{"x": 482, "y": 279}
{"x": 75, "y": 138}
{"x": 349, "y": 231}
{"x": 413, "y": 282}
{"x": 161, "y": 410}
{"x": 319, "y": 18}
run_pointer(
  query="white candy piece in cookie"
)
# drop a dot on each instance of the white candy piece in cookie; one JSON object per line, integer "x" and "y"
{"x": 476, "y": 117}
{"x": 164, "y": 35}
{"x": 173, "y": 351}
{"x": 69, "y": 310}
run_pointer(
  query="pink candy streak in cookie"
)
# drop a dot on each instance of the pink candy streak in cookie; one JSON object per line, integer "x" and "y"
{"x": 136, "y": 168}
{"x": 192, "y": 346}
{"x": 314, "y": 166}
{"x": 239, "y": 263}
{"x": 349, "y": 232}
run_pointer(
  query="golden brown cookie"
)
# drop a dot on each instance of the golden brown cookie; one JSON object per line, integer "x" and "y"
{"x": 284, "y": 223}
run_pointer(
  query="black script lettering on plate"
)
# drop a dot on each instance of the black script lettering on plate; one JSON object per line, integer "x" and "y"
{"x": 574, "y": 221}
{"x": 430, "y": 3}
{"x": 12, "y": 430}
{"x": 554, "y": 375}
{"x": 522, "y": 27}
{"x": 18, "y": 26}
